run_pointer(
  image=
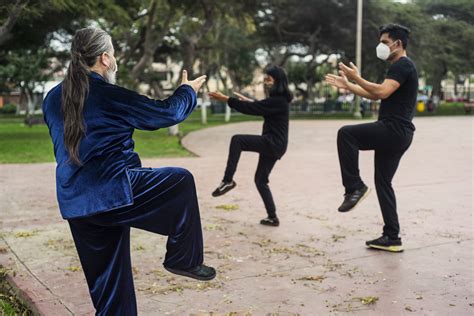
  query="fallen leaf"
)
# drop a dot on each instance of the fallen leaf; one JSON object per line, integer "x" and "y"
{"x": 228, "y": 207}
{"x": 336, "y": 238}
{"x": 74, "y": 268}
{"x": 369, "y": 300}
{"x": 212, "y": 227}
{"x": 319, "y": 278}
{"x": 263, "y": 243}
{"x": 23, "y": 234}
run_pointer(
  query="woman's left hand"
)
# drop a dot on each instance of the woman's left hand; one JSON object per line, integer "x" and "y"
{"x": 218, "y": 96}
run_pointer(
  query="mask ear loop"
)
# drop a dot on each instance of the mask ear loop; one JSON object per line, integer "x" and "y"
{"x": 392, "y": 52}
{"x": 110, "y": 58}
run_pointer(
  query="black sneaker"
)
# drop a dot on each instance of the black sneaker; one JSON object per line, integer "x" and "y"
{"x": 270, "y": 221}
{"x": 386, "y": 243}
{"x": 201, "y": 272}
{"x": 352, "y": 199}
{"x": 223, "y": 188}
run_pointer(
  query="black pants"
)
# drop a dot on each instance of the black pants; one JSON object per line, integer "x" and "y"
{"x": 389, "y": 140}
{"x": 266, "y": 162}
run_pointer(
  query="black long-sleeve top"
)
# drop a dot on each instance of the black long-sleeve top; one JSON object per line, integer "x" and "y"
{"x": 275, "y": 111}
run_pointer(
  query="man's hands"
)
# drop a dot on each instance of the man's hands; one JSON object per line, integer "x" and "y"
{"x": 196, "y": 84}
{"x": 352, "y": 72}
{"x": 345, "y": 74}
{"x": 218, "y": 96}
{"x": 340, "y": 82}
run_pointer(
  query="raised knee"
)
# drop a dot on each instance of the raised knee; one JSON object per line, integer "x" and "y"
{"x": 343, "y": 131}
{"x": 183, "y": 173}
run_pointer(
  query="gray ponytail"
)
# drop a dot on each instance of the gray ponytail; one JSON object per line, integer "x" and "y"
{"x": 87, "y": 45}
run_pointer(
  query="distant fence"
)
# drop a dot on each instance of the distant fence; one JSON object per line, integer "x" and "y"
{"x": 306, "y": 108}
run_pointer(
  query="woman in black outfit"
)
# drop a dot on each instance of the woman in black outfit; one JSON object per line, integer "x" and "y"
{"x": 271, "y": 145}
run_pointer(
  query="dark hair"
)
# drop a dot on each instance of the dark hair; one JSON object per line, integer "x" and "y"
{"x": 396, "y": 32}
{"x": 87, "y": 45}
{"x": 280, "y": 87}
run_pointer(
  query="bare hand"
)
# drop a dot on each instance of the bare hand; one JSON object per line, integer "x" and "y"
{"x": 351, "y": 72}
{"x": 218, "y": 96}
{"x": 337, "y": 81}
{"x": 196, "y": 84}
{"x": 242, "y": 97}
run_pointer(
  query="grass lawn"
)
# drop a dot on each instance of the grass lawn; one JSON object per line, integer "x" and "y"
{"x": 9, "y": 304}
{"x": 22, "y": 144}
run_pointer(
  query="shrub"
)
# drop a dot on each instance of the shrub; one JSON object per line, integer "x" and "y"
{"x": 8, "y": 108}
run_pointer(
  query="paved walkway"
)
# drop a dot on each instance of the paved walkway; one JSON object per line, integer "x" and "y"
{"x": 315, "y": 263}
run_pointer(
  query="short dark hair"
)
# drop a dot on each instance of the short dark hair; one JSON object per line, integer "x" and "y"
{"x": 396, "y": 32}
{"x": 280, "y": 87}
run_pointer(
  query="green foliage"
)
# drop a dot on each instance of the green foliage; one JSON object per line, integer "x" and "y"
{"x": 26, "y": 66}
{"x": 293, "y": 33}
{"x": 23, "y": 144}
{"x": 448, "y": 108}
{"x": 8, "y": 108}
{"x": 9, "y": 303}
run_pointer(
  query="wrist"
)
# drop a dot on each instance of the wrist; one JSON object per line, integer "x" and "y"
{"x": 357, "y": 79}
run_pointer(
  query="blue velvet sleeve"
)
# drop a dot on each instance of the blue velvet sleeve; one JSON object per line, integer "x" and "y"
{"x": 144, "y": 113}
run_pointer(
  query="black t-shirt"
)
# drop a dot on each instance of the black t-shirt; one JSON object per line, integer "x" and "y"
{"x": 275, "y": 111}
{"x": 400, "y": 105}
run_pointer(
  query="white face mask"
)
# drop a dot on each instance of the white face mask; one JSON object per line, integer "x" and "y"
{"x": 111, "y": 73}
{"x": 383, "y": 51}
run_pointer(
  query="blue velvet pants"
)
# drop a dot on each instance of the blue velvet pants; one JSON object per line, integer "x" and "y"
{"x": 165, "y": 203}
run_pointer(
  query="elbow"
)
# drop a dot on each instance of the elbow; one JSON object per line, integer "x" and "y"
{"x": 181, "y": 116}
{"x": 175, "y": 120}
{"x": 382, "y": 95}
{"x": 377, "y": 96}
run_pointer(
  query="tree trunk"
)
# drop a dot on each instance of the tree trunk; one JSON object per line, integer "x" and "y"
{"x": 437, "y": 77}
{"x": 227, "y": 112}
{"x": 189, "y": 53}
{"x": 436, "y": 83}
{"x": 6, "y": 28}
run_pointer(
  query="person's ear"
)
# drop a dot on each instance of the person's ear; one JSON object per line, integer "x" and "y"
{"x": 105, "y": 59}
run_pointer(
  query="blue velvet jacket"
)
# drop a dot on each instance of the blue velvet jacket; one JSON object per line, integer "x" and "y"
{"x": 111, "y": 113}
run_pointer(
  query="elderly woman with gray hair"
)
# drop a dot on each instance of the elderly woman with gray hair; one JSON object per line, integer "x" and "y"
{"x": 102, "y": 188}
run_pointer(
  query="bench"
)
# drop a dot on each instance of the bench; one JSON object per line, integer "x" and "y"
{"x": 468, "y": 106}
{"x": 32, "y": 120}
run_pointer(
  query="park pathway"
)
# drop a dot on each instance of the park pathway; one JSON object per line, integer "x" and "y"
{"x": 315, "y": 263}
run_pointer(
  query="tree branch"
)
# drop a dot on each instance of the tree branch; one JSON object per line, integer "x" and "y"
{"x": 152, "y": 39}
{"x": 6, "y": 28}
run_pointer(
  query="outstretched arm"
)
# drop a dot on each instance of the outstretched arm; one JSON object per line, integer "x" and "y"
{"x": 377, "y": 91}
{"x": 144, "y": 113}
{"x": 342, "y": 82}
{"x": 260, "y": 108}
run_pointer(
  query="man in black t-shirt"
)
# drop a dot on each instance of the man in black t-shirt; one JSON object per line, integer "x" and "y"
{"x": 389, "y": 137}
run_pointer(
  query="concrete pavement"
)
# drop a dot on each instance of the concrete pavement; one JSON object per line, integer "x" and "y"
{"x": 315, "y": 263}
